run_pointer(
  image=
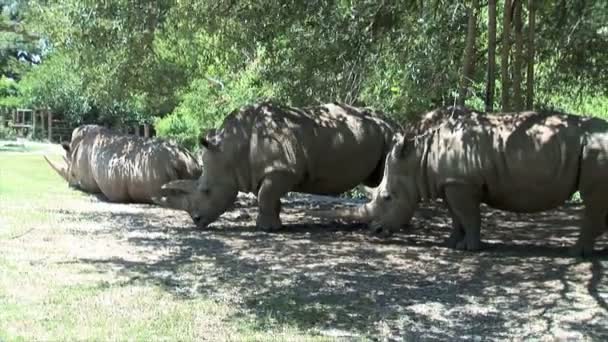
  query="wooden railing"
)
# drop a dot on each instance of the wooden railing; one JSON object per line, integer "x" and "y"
{"x": 27, "y": 122}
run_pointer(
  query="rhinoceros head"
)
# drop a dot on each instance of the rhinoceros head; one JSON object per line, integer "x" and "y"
{"x": 396, "y": 198}
{"x": 208, "y": 197}
{"x": 67, "y": 169}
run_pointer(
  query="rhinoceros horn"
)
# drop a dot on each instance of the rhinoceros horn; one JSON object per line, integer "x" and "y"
{"x": 180, "y": 185}
{"x": 62, "y": 171}
{"x": 169, "y": 194}
{"x": 361, "y": 213}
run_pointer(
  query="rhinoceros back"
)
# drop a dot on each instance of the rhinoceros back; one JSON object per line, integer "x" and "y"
{"x": 328, "y": 149}
{"x": 523, "y": 162}
{"x": 132, "y": 169}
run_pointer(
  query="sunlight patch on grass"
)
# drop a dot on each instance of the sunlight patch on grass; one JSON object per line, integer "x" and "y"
{"x": 47, "y": 292}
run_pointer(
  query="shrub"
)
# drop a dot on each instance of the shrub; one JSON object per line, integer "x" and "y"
{"x": 7, "y": 133}
{"x": 208, "y": 101}
{"x": 182, "y": 128}
{"x": 56, "y": 85}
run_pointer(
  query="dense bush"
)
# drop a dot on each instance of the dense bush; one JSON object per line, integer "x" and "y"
{"x": 7, "y": 133}
{"x": 56, "y": 85}
{"x": 208, "y": 101}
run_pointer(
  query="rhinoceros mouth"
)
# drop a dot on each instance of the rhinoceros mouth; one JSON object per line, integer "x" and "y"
{"x": 200, "y": 222}
{"x": 377, "y": 228}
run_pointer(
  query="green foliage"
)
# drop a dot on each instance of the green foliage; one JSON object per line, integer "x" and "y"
{"x": 183, "y": 129}
{"x": 576, "y": 198}
{"x": 58, "y": 86}
{"x": 10, "y": 96}
{"x": 7, "y": 133}
{"x": 586, "y": 102}
{"x": 208, "y": 100}
{"x": 137, "y": 61}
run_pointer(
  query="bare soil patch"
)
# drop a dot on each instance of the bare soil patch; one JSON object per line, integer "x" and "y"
{"x": 339, "y": 280}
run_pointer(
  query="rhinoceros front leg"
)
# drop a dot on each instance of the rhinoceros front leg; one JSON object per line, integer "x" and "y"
{"x": 463, "y": 202}
{"x": 593, "y": 225}
{"x": 273, "y": 187}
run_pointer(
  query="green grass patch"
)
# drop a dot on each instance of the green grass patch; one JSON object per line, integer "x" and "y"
{"x": 26, "y": 177}
{"x": 47, "y": 293}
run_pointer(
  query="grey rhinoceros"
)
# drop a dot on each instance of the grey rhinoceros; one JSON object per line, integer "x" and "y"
{"x": 520, "y": 162}
{"x": 270, "y": 149}
{"x": 123, "y": 168}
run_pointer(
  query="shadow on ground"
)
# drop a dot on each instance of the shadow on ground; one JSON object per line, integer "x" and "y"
{"x": 325, "y": 276}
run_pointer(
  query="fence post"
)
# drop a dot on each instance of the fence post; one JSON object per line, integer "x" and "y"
{"x": 41, "y": 114}
{"x": 33, "y": 113}
{"x": 50, "y": 123}
{"x": 146, "y": 130}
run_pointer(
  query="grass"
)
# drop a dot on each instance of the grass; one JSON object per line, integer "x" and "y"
{"x": 47, "y": 293}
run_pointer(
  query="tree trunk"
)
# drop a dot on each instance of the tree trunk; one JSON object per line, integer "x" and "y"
{"x": 468, "y": 60}
{"x": 530, "y": 57}
{"x": 491, "y": 81}
{"x": 504, "y": 58}
{"x": 518, "y": 102}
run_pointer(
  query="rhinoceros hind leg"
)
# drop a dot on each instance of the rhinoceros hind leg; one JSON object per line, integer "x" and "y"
{"x": 273, "y": 187}
{"x": 457, "y": 234}
{"x": 464, "y": 205}
{"x": 594, "y": 224}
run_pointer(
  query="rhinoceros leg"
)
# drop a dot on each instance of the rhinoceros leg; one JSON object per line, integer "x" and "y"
{"x": 594, "y": 224}
{"x": 457, "y": 233}
{"x": 273, "y": 187}
{"x": 464, "y": 203}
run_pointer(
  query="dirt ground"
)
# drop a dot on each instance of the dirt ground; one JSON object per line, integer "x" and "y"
{"x": 340, "y": 280}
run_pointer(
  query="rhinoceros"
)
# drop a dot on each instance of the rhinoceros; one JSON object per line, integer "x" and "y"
{"x": 123, "y": 168}
{"x": 270, "y": 149}
{"x": 521, "y": 162}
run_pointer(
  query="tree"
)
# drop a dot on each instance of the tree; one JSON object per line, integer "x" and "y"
{"x": 530, "y": 57}
{"x": 504, "y": 58}
{"x": 143, "y": 59}
{"x": 468, "y": 60}
{"x": 491, "y": 69}
{"x": 518, "y": 55}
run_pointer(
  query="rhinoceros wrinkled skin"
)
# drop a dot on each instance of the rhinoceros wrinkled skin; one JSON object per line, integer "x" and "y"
{"x": 124, "y": 168}
{"x": 270, "y": 149}
{"x": 520, "y": 162}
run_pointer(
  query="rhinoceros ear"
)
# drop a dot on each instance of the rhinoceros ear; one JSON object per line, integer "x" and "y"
{"x": 210, "y": 133}
{"x": 66, "y": 146}
{"x": 209, "y": 143}
{"x": 403, "y": 148}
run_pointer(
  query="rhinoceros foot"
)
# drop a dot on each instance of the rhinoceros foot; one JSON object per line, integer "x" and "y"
{"x": 469, "y": 244}
{"x": 268, "y": 223}
{"x": 456, "y": 237}
{"x": 452, "y": 242}
{"x": 581, "y": 250}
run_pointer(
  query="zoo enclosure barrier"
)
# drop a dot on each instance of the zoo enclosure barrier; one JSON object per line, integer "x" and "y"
{"x": 32, "y": 123}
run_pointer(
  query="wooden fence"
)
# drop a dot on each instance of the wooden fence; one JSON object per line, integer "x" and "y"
{"x": 35, "y": 122}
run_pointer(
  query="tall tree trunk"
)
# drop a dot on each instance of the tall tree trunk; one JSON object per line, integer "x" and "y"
{"x": 504, "y": 58}
{"x": 518, "y": 56}
{"x": 468, "y": 60}
{"x": 530, "y": 57}
{"x": 491, "y": 80}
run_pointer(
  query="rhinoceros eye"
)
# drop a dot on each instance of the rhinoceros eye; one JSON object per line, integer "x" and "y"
{"x": 386, "y": 196}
